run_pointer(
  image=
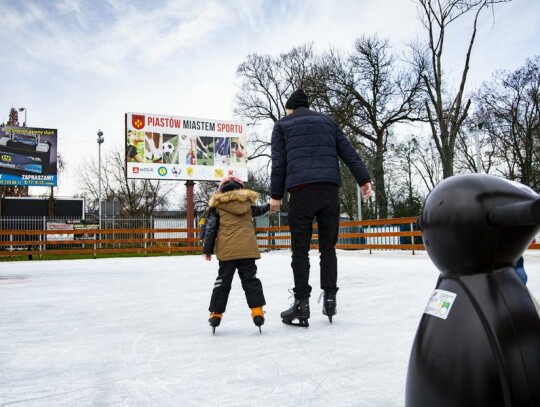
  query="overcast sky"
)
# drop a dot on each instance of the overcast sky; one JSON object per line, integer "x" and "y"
{"x": 78, "y": 66}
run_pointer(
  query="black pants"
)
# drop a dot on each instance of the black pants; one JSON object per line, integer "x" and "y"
{"x": 314, "y": 202}
{"x": 247, "y": 270}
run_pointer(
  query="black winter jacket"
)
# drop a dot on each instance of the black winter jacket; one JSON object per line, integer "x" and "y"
{"x": 305, "y": 149}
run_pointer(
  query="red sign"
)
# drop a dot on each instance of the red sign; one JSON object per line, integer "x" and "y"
{"x": 137, "y": 120}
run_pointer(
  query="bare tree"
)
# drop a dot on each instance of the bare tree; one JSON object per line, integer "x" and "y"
{"x": 446, "y": 109}
{"x": 426, "y": 162}
{"x": 266, "y": 83}
{"x": 404, "y": 193}
{"x": 203, "y": 191}
{"x": 136, "y": 197}
{"x": 509, "y": 109}
{"x": 467, "y": 151}
{"x": 368, "y": 93}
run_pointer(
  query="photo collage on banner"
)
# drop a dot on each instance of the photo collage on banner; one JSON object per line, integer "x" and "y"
{"x": 182, "y": 148}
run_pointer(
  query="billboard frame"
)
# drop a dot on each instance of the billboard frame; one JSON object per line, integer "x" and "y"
{"x": 28, "y": 156}
{"x": 179, "y": 148}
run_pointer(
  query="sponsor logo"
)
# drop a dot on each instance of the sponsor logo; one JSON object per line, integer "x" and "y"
{"x": 6, "y": 158}
{"x": 138, "y": 170}
{"x": 137, "y": 121}
{"x": 189, "y": 171}
{"x": 162, "y": 171}
{"x": 218, "y": 173}
{"x": 176, "y": 171}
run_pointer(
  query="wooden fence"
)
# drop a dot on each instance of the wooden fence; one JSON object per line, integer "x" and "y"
{"x": 385, "y": 234}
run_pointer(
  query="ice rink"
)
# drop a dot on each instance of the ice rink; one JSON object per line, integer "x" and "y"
{"x": 134, "y": 332}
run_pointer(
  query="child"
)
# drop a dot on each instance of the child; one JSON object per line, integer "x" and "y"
{"x": 230, "y": 231}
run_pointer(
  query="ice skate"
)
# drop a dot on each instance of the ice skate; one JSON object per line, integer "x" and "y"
{"x": 257, "y": 314}
{"x": 329, "y": 305}
{"x": 214, "y": 320}
{"x": 298, "y": 314}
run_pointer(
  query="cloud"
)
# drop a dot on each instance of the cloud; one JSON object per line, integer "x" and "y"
{"x": 91, "y": 37}
{"x": 79, "y": 65}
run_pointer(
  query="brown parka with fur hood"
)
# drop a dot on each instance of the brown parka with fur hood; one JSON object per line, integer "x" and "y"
{"x": 229, "y": 229}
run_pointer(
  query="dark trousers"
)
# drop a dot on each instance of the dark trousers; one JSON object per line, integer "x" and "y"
{"x": 247, "y": 270}
{"x": 318, "y": 202}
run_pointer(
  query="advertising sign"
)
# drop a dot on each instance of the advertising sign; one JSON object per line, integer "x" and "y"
{"x": 70, "y": 225}
{"x": 59, "y": 226}
{"x": 183, "y": 148}
{"x": 28, "y": 156}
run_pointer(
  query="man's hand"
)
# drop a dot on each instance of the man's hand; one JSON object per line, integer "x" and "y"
{"x": 207, "y": 257}
{"x": 365, "y": 190}
{"x": 274, "y": 205}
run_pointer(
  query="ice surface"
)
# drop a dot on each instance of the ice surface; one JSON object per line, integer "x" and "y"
{"x": 134, "y": 332}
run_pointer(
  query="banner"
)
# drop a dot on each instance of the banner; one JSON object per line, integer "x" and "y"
{"x": 59, "y": 226}
{"x": 78, "y": 224}
{"x": 28, "y": 156}
{"x": 85, "y": 226}
{"x": 183, "y": 148}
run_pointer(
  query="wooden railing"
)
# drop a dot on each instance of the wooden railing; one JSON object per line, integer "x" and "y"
{"x": 384, "y": 234}
{"x": 106, "y": 241}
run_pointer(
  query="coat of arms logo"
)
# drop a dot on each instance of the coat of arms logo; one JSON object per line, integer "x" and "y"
{"x": 137, "y": 121}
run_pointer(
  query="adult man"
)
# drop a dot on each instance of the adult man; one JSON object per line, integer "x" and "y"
{"x": 306, "y": 146}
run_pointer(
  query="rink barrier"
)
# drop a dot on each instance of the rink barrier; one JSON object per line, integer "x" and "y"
{"x": 95, "y": 241}
{"x": 382, "y": 234}
{"x": 379, "y": 234}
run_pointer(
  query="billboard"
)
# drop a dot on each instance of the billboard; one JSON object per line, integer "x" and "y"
{"x": 28, "y": 156}
{"x": 15, "y": 206}
{"x": 184, "y": 148}
{"x": 70, "y": 225}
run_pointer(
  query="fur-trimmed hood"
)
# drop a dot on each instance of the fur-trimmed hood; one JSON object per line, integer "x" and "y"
{"x": 234, "y": 201}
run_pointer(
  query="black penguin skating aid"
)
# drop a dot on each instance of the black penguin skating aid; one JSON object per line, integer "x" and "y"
{"x": 298, "y": 314}
{"x": 478, "y": 340}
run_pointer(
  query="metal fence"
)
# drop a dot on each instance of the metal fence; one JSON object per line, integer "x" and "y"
{"x": 112, "y": 222}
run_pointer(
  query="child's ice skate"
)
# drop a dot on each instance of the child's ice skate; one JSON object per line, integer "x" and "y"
{"x": 257, "y": 314}
{"x": 214, "y": 320}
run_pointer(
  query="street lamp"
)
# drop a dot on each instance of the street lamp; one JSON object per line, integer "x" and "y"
{"x": 23, "y": 109}
{"x": 100, "y": 140}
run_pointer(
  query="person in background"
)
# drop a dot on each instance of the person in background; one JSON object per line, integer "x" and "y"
{"x": 229, "y": 231}
{"x": 306, "y": 148}
{"x": 520, "y": 269}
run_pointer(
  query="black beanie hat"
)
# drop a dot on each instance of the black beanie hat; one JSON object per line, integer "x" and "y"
{"x": 297, "y": 99}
